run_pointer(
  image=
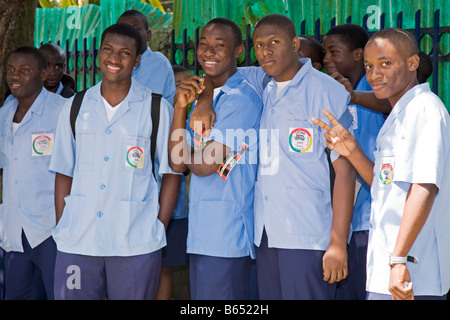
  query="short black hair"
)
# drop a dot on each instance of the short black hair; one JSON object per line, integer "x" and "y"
{"x": 124, "y": 29}
{"x": 402, "y": 39}
{"x": 237, "y": 33}
{"x": 34, "y": 52}
{"x": 425, "y": 68}
{"x": 177, "y": 68}
{"x": 317, "y": 47}
{"x": 53, "y": 47}
{"x": 352, "y": 35}
{"x": 279, "y": 20}
{"x": 135, "y": 13}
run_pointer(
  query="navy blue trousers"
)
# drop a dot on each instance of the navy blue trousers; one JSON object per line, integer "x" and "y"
{"x": 291, "y": 274}
{"x": 29, "y": 274}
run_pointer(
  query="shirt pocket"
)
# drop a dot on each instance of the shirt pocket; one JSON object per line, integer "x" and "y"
{"x": 135, "y": 155}
{"x": 299, "y": 139}
{"x": 137, "y": 223}
{"x": 385, "y": 170}
{"x": 42, "y": 145}
{"x": 69, "y": 226}
{"x": 307, "y": 212}
{"x": 85, "y": 151}
{"x": 217, "y": 222}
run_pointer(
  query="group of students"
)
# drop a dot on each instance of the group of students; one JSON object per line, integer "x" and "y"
{"x": 274, "y": 153}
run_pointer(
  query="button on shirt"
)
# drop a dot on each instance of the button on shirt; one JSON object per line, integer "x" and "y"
{"x": 292, "y": 192}
{"x": 113, "y": 205}
{"x": 155, "y": 72}
{"x": 28, "y": 185}
{"x": 366, "y": 125}
{"x": 413, "y": 146}
{"x": 221, "y": 212}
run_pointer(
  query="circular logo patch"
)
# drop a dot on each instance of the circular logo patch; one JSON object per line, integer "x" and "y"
{"x": 135, "y": 157}
{"x": 386, "y": 173}
{"x": 42, "y": 144}
{"x": 300, "y": 140}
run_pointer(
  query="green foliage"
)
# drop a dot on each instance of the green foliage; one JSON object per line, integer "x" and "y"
{"x": 66, "y": 3}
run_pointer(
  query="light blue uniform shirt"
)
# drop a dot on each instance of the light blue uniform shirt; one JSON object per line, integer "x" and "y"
{"x": 28, "y": 185}
{"x": 292, "y": 191}
{"x": 113, "y": 205}
{"x": 221, "y": 212}
{"x": 413, "y": 146}
{"x": 155, "y": 71}
{"x": 366, "y": 125}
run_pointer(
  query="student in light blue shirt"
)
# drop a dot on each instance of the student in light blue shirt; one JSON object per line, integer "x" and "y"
{"x": 344, "y": 53}
{"x": 154, "y": 70}
{"x": 111, "y": 217}
{"x": 220, "y": 235}
{"x": 301, "y": 241}
{"x": 27, "y": 214}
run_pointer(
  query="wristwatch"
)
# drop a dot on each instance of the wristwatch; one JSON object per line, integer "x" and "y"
{"x": 398, "y": 260}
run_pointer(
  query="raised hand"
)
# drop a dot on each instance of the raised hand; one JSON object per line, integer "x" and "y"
{"x": 338, "y": 138}
{"x": 187, "y": 91}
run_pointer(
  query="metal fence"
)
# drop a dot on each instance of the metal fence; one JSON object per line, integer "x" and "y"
{"x": 83, "y": 67}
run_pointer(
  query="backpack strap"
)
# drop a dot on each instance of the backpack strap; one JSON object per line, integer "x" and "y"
{"x": 155, "y": 112}
{"x": 75, "y": 109}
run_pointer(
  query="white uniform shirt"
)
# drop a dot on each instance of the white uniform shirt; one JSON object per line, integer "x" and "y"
{"x": 412, "y": 147}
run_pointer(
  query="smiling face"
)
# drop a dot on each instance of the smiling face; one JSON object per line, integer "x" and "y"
{"x": 389, "y": 71}
{"x": 339, "y": 57}
{"x": 217, "y": 52}
{"x": 276, "y": 52}
{"x": 23, "y": 75}
{"x": 117, "y": 57}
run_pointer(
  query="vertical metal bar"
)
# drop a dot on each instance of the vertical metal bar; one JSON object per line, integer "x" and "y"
{"x": 75, "y": 60}
{"x": 317, "y": 30}
{"x": 93, "y": 57}
{"x": 303, "y": 27}
{"x": 400, "y": 19}
{"x": 382, "y": 21}
{"x": 173, "y": 48}
{"x": 66, "y": 49}
{"x": 84, "y": 63}
{"x": 333, "y": 22}
{"x": 417, "y": 28}
{"x": 185, "y": 45}
{"x": 196, "y": 68}
{"x": 248, "y": 45}
{"x": 435, "y": 58}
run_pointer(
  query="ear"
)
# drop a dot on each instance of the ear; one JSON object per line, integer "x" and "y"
{"x": 138, "y": 59}
{"x": 44, "y": 74}
{"x": 413, "y": 62}
{"x": 238, "y": 51}
{"x": 149, "y": 35}
{"x": 296, "y": 43}
{"x": 358, "y": 54}
{"x": 317, "y": 65}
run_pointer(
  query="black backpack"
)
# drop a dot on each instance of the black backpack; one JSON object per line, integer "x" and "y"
{"x": 155, "y": 111}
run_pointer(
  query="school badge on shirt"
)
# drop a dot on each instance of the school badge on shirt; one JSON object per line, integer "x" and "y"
{"x": 386, "y": 170}
{"x": 135, "y": 157}
{"x": 41, "y": 144}
{"x": 300, "y": 140}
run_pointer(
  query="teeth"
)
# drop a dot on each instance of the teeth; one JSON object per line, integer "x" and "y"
{"x": 210, "y": 62}
{"x": 113, "y": 68}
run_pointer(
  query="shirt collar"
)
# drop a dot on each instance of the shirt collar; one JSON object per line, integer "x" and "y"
{"x": 147, "y": 53}
{"x": 409, "y": 95}
{"x": 232, "y": 82}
